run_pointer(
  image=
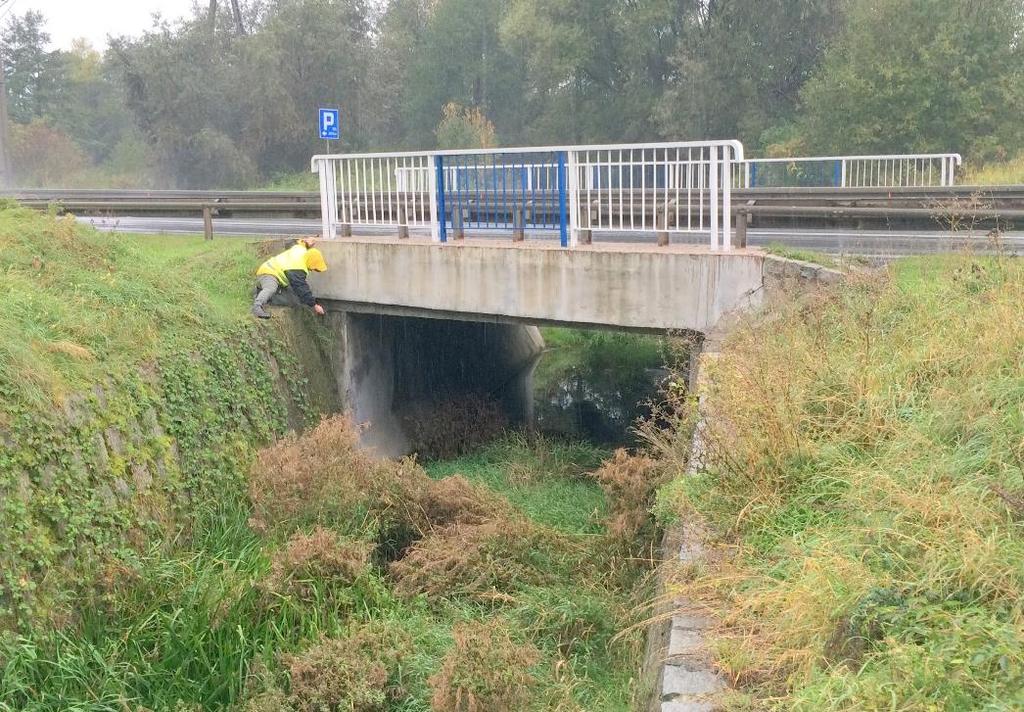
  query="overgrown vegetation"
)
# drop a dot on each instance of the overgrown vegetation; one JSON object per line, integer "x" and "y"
{"x": 359, "y": 584}
{"x": 133, "y": 393}
{"x": 865, "y": 484}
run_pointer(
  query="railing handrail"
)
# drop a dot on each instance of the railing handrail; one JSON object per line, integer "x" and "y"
{"x": 735, "y": 145}
{"x": 879, "y": 157}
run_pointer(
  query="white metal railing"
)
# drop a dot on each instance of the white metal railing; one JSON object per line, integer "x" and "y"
{"x": 922, "y": 170}
{"x": 682, "y": 187}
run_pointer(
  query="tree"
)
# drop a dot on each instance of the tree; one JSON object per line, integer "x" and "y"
{"x": 739, "y": 66}
{"x": 462, "y": 59}
{"x": 464, "y": 128}
{"x": 35, "y": 77}
{"x": 44, "y": 156}
{"x": 236, "y": 13}
{"x": 921, "y": 75}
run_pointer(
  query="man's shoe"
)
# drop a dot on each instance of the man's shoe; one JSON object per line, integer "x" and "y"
{"x": 260, "y": 313}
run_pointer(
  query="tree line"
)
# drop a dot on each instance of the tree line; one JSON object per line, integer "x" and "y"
{"x": 228, "y": 96}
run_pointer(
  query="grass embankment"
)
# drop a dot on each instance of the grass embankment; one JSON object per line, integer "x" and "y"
{"x": 866, "y": 484}
{"x": 80, "y": 305}
{"x": 1010, "y": 172}
{"x": 353, "y": 584}
{"x": 131, "y": 380}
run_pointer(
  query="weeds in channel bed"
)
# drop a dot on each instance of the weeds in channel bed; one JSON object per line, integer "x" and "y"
{"x": 358, "y": 584}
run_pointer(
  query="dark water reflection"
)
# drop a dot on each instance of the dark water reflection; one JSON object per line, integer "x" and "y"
{"x": 593, "y": 385}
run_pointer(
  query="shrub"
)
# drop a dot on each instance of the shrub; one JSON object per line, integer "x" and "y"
{"x": 357, "y": 672}
{"x": 485, "y": 671}
{"x": 630, "y": 483}
{"x": 455, "y": 427}
{"x": 486, "y": 562}
{"x": 321, "y": 556}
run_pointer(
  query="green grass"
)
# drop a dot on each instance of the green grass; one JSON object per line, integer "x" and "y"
{"x": 543, "y": 478}
{"x": 872, "y": 500}
{"x": 183, "y": 623}
{"x": 187, "y": 625}
{"x": 793, "y": 253}
{"x": 1010, "y": 172}
{"x": 306, "y": 182}
{"x": 80, "y": 304}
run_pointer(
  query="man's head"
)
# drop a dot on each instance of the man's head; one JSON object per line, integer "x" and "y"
{"x": 309, "y": 242}
{"x": 315, "y": 261}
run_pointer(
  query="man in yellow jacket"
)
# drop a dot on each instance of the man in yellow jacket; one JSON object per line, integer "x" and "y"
{"x": 288, "y": 270}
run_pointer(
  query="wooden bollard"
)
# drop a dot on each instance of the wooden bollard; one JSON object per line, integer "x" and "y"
{"x": 460, "y": 216}
{"x": 207, "y": 222}
{"x": 519, "y": 224}
{"x": 403, "y": 223}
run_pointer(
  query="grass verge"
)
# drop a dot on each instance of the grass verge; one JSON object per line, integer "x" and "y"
{"x": 866, "y": 486}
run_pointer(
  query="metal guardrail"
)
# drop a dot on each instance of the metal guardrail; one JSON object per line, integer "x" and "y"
{"x": 878, "y": 171}
{"x": 835, "y": 205}
{"x": 574, "y": 190}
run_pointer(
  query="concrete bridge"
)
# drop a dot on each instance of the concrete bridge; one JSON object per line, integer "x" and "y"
{"x": 417, "y": 321}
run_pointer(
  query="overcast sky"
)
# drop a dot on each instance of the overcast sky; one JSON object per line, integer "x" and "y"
{"x": 95, "y": 19}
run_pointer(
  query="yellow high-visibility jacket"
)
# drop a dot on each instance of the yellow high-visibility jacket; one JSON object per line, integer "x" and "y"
{"x": 294, "y": 258}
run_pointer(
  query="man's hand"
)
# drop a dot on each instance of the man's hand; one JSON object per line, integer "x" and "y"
{"x": 318, "y": 310}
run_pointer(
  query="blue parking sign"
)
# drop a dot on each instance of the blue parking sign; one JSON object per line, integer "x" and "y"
{"x": 330, "y": 124}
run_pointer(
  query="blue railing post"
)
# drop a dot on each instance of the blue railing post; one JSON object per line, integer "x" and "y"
{"x": 441, "y": 217}
{"x": 753, "y": 175}
{"x": 563, "y": 210}
{"x": 837, "y": 174}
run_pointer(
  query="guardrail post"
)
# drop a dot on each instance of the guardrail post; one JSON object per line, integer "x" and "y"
{"x": 460, "y": 215}
{"x": 437, "y": 200}
{"x": 751, "y": 174}
{"x": 403, "y": 222}
{"x": 726, "y": 178}
{"x": 574, "y": 200}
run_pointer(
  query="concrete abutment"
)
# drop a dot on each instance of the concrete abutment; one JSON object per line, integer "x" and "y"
{"x": 392, "y": 370}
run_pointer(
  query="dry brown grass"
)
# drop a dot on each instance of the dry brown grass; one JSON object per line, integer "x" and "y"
{"x": 323, "y": 476}
{"x": 358, "y": 672}
{"x": 630, "y": 483}
{"x": 858, "y": 445}
{"x": 456, "y": 500}
{"x": 454, "y": 427}
{"x": 486, "y": 670}
{"x": 486, "y": 562}
{"x": 322, "y": 555}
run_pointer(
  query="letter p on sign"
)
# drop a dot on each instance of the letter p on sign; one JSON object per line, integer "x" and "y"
{"x": 330, "y": 128}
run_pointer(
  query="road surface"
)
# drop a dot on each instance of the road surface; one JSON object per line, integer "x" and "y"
{"x": 838, "y": 241}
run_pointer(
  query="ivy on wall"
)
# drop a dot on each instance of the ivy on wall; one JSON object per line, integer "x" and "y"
{"x": 131, "y": 461}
